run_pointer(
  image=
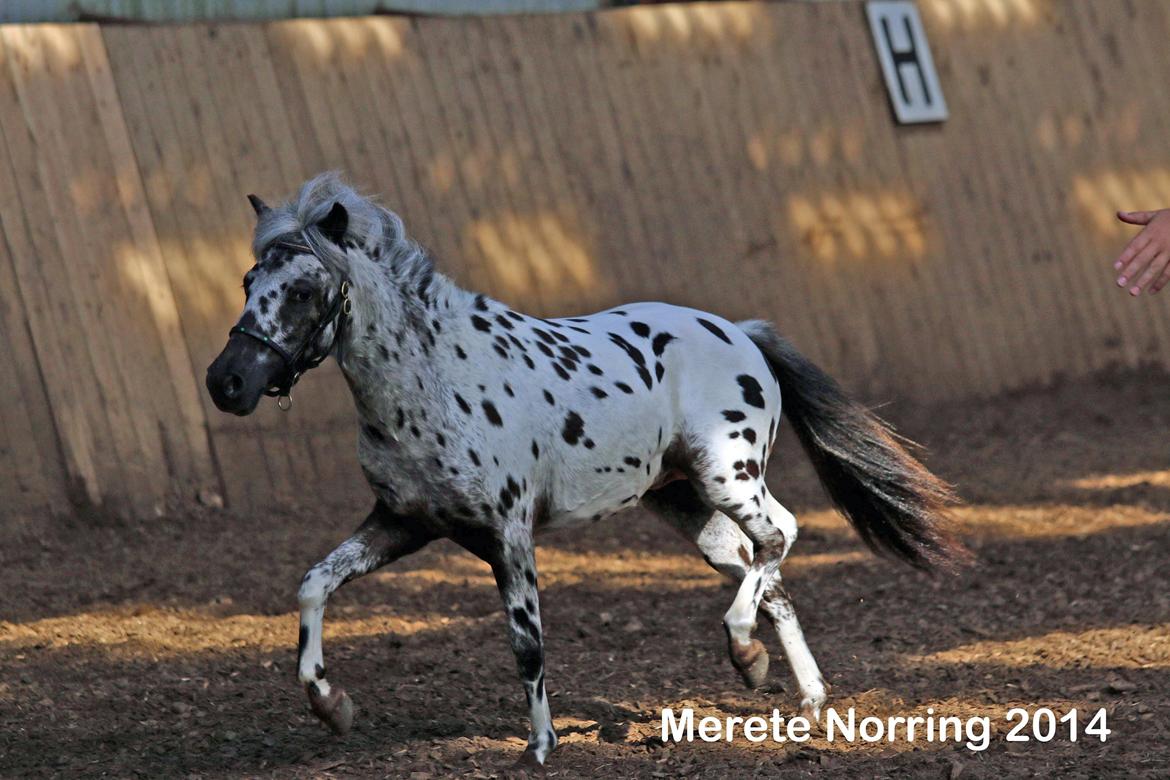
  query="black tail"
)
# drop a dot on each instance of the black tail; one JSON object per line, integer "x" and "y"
{"x": 893, "y": 502}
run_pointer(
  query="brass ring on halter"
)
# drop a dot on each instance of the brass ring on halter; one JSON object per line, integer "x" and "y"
{"x": 284, "y": 402}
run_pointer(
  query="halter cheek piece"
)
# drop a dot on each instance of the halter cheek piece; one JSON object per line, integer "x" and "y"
{"x": 297, "y": 363}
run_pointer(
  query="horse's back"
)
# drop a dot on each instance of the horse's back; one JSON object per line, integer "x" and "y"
{"x": 671, "y": 374}
{"x": 693, "y": 358}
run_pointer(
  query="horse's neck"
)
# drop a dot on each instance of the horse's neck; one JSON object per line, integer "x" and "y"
{"x": 388, "y": 352}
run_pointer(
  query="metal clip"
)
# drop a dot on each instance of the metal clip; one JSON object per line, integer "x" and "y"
{"x": 284, "y": 402}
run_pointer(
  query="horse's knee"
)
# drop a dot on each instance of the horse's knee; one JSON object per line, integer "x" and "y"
{"x": 312, "y": 592}
{"x": 784, "y": 521}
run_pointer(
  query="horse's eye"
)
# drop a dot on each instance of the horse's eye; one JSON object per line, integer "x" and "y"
{"x": 302, "y": 295}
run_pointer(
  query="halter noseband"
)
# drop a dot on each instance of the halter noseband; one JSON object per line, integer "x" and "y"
{"x": 295, "y": 363}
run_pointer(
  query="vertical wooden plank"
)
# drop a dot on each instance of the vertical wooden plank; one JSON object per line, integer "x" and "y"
{"x": 393, "y": 174}
{"x": 37, "y": 273}
{"x": 32, "y": 478}
{"x": 173, "y": 151}
{"x": 989, "y": 251}
{"x": 181, "y": 416}
{"x": 843, "y": 276}
{"x": 1115, "y": 173}
{"x": 744, "y": 252}
{"x": 669, "y": 91}
{"x": 1023, "y": 215}
{"x": 777, "y": 85}
{"x": 326, "y": 393}
{"x": 430, "y": 125}
{"x": 510, "y": 97}
{"x": 611, "y": 49}
{"x": 909, "y": 284}
{"x": 98, "y": 232}
{"x": 449, "y": 72}
{"x": 36, "y": 145}
{"x": 770, "y": 252}
{"x": 221, "y": 53}
{"x": 1075, "y": 279}
{"x": 594, "y": 144}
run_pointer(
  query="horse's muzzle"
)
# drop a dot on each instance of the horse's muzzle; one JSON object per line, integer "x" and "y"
{"x": 239, "y": 376}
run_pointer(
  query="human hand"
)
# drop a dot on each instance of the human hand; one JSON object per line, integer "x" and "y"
{"x": 1144, "y": 264}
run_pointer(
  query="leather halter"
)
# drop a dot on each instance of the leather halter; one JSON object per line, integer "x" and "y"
{"x": 297, "y": 363}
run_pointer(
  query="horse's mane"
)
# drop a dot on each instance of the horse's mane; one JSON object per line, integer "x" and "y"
{"x": 372, "y": 227}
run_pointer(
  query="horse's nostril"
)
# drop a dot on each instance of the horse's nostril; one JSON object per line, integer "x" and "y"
{"x": 232, "y": 385}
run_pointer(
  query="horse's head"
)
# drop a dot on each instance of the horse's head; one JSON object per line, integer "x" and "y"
{"x": 296, "y": 299}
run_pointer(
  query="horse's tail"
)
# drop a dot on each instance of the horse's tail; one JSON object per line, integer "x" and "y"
{"x": 893, "y": 502}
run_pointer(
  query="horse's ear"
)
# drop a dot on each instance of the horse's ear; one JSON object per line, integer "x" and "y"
{"x": 335, "y": 223}
{"x": 259, "y": 205}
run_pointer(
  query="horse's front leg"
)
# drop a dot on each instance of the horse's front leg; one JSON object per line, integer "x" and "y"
{"x": 382, "y": 538}
{"x": 513, "y": 561}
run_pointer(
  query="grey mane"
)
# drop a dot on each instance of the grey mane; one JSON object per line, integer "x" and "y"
{"x": 375, "y": 229}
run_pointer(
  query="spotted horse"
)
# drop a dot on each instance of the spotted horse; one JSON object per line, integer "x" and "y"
{"x": 484, "y": 425}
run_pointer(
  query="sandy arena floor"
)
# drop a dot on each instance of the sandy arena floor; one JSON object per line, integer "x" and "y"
{"x": 168, "y": 650}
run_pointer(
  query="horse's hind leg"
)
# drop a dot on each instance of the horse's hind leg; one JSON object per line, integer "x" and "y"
{"x": 730, "y": 551}
{"x": 813, "y": 688}
{"x": 382, "y": 538}
{"x": 772, "y": 529}
{"x": 726, "y": 549}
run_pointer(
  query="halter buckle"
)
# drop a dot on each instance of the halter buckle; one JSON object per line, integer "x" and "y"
{"x": 346, "y": 304}
{"x": 284, "y": 402}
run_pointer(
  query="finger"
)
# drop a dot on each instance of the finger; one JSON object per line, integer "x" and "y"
{"x": 1136, "y": 217}
{"x": 1162, "y": 280}
{"x": 1138, "y": 263}
{"x": 1152, "y": 271}
{"x": 1135, "y": 245}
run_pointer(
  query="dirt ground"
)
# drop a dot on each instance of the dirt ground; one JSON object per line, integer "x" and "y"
{"x": 168, "y": 650}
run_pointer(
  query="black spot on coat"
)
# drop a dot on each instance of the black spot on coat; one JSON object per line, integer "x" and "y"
{"x": 574, "y": 428}
{"x": 660, "y": 342}
{"x": 492, "y": 414}
{"x": 753, "y": 394}
{"x": 715, "y": 329}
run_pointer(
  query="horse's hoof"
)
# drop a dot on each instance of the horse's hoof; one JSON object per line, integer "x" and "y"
{"x": 527, "y": 766}
{"x": 810, "y": 710}
{"x": 751, "y": 661}
{"x": 334, "y": 710}
{"x": 813, "y": 701}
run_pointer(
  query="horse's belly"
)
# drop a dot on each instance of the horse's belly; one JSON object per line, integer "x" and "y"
{"x": 599, "y": 495}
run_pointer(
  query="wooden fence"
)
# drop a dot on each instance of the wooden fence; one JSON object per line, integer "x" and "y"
{"x": 737, "y": 157}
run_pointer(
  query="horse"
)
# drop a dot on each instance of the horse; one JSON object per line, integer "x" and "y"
{"x": 483, "y": 425}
